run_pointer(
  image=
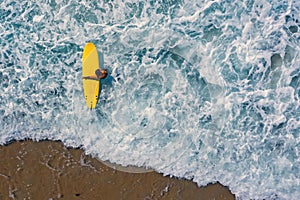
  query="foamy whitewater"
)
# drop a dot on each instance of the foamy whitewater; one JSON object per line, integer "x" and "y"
{"x": 204, "y": 90}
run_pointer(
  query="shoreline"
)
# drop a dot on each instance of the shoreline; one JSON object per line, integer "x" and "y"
{"x": 49, "y": 170}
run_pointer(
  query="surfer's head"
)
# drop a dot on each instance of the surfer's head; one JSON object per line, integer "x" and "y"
{"x": 101, "y": 73}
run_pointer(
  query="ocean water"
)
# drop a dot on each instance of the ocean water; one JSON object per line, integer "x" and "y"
{"x": 204, "y": 90}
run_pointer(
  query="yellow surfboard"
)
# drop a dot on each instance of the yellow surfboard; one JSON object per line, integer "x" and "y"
{"x": 90, "y": 63}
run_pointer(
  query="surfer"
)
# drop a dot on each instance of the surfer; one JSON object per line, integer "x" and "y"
{"x": 99, "y": 74}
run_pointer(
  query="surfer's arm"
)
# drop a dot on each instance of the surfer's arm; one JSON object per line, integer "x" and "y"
{"x": 99, "y": 75}
{"x": 91, "y": 78}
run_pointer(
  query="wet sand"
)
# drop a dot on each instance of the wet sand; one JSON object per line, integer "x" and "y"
{"x": 48, "y": 170}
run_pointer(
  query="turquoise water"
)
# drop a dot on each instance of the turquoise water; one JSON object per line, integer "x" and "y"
{"x": 205, "y": 90}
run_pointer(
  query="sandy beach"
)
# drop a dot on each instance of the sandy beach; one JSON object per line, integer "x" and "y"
{"x": 48, "y": 170}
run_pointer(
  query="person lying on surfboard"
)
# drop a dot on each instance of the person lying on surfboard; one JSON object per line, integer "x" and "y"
{"x": 99, "y": 74}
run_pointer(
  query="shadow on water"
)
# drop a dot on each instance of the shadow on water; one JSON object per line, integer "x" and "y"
{"x": 109, "y": 79}
{"x": 106, "y": 83}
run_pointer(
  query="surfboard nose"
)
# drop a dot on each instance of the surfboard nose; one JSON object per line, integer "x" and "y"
{"x": 89, "y": 47}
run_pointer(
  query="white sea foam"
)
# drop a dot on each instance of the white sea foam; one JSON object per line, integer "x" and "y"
{"x": 207, "y": 90}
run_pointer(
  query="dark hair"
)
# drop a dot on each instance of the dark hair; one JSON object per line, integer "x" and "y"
{"x": 98, "y": 72}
